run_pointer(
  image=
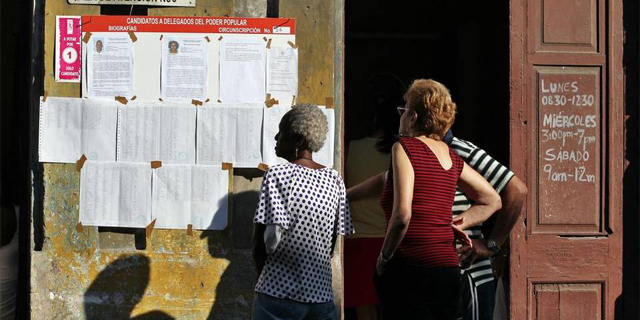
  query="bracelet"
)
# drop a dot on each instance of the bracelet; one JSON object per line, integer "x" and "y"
{"x": 383, "y": 259}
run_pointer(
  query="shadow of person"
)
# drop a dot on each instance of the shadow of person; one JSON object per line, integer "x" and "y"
{"x": 118, "y": 288}
{"x": 234, "y": 293}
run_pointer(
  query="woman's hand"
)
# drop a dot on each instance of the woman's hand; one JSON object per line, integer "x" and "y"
{"x": 459, "y": 234}
{"x": 382, "y": 264}
{"x": 466, "y": 252}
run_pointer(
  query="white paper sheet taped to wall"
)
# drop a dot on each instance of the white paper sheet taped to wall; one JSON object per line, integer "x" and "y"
{"x": 109, "y": 68}
{"x": 187, "y": 194}
{"x": 184, "y": 68}
{"x": 230, "y": 133}
{"x": 71, "y": 127}
{"x": 282, "y": 73}
{"x": 242, "y": 70}
{"x": 115, "y": 194}
{"x": 149, "y": 131}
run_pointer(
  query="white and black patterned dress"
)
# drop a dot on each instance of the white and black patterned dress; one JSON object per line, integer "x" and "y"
{"x": 310, "y": 205}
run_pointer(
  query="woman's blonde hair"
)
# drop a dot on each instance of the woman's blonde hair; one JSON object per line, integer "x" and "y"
{"x": 432, "y": 102}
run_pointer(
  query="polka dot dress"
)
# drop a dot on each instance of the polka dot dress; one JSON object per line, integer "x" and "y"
{"x": 311, "y": 205}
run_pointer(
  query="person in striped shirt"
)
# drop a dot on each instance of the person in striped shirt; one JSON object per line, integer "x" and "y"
{"x": 478, "y": 287}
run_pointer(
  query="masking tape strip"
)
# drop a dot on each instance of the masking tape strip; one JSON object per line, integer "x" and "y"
{"x": 133, "y": 98}
{"x": 133, "y": 36}
{"x": 80, "y": 162}
{"x": 86, "y": 38}
{"x": 79, "y": 227}
{"x": 293, "y": 45}
{"x": 149, "y": 228}
{"x": 293, "y": 101}
{"x": 269, "y": 44}
{"x": 263, "y": 166}
{"x": 207, "y": 38}
{"x": 44, "y": 98}
{"x": 329, "y": 102}
{"x": 156, "y": 164}
{"x": 270, "y": 101}
{"x": 122, "y": 100}
{"x": 264, "y": 38}
{"x": 160, "y": 99}
{"x": 220, "y": 39}
{"x": 227, "y": 166}
{"x": 162, "y": 35}
{"x": 196, "y": 102}
{"x": 189, "y": 229}
{"x": 207, "y": 100}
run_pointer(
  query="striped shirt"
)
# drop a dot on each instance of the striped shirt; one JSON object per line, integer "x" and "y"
{"x": 498, "y": 176}
{"x": 429, "y": 240}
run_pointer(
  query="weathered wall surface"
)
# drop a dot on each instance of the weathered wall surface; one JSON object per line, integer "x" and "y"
{"x": 118, "y": 274}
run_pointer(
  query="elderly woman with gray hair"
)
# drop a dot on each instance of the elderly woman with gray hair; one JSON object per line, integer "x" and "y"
{"x": 302, "y": 210}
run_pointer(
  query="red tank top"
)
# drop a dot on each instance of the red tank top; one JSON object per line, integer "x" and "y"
{"x": 429, "y": 239}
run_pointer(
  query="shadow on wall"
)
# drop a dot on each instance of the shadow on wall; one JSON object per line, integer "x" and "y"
{"x": 234, "y": 293}
{"x": 118, "y": 289}
{"x": 121, "y": 285}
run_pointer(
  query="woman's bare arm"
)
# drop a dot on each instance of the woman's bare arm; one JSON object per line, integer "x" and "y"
{"x": 403, "y": 180}
{"x": 486, "y": 199}
{"x": 371, "y": 188}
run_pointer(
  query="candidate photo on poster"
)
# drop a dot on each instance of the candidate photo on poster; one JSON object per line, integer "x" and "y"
{"x": 99, "y": 45}
{"x": 173, "y": 47}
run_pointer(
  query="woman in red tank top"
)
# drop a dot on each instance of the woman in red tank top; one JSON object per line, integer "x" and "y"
{"x": 417, "y": 271}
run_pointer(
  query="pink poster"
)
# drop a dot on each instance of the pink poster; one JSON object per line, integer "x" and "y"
{"x": 68, "y": 60}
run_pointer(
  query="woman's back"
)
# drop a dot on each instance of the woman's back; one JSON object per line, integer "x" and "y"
{"x": 306, "y": 202}
{"x": 429, "y": 239}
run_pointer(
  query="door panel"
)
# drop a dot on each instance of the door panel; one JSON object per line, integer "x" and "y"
{"x": 567, "y": 301}
{"x": 568, "y": 151}
{"x": 566, "y": 25}
{"x": 566, "y": 142}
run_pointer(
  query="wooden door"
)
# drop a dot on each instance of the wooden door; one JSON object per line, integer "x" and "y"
{"x": 567, "y": 143}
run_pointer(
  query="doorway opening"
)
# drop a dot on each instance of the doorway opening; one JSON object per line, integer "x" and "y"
{"x": 462, "y": 44}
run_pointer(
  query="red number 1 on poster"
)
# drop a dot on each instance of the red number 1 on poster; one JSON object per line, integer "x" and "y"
{"x": 68, "y": 61}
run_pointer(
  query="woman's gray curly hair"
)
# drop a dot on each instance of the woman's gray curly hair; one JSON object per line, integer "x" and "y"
{"x": 310, "y": 122}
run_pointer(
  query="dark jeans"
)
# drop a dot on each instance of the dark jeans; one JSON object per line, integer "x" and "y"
{"x": 410, "y": 292}
{"x": 266, "y": 307}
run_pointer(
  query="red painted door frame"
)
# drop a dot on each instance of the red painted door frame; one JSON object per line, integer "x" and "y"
{"x": 566, "y": 258}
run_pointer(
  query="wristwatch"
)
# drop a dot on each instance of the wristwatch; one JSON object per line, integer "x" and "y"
{"x": 493, "y": 246}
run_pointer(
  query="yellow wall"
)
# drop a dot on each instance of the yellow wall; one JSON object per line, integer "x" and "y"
{"x": 93, "y": 274}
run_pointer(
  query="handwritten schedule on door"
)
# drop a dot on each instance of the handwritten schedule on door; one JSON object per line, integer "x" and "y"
{"x": 569, "y": 131}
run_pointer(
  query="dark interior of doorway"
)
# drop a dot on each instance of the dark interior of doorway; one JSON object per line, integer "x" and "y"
{"x": 462, "y": 44}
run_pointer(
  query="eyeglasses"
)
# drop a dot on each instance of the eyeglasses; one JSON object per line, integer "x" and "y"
{"x": 401, "y": 110}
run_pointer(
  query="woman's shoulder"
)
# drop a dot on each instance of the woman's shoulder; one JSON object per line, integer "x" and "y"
{"x": 287, "y": 166}
{"x": 409, "y": 142}
{"x": 280, "y": 170}
{"x": 334, "y": 174}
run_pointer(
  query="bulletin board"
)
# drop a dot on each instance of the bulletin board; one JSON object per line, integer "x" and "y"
{"x": 147, "y": 84}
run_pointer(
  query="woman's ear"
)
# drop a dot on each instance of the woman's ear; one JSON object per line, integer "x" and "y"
{"x": 301, "y": 142}
{"x": 413, "y": 118}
